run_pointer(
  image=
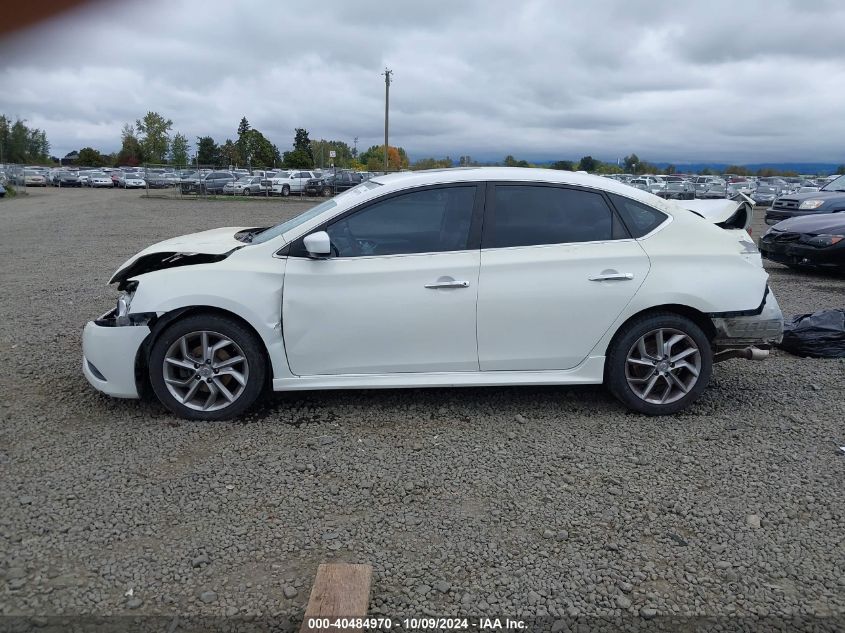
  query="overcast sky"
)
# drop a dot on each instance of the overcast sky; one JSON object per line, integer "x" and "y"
{"x": 728, "y": 81}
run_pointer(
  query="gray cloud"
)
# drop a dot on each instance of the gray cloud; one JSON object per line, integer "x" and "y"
{"x": 751, "y": 81}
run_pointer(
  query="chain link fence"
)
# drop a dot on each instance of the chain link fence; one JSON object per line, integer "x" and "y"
{"x": 13, "y": 179}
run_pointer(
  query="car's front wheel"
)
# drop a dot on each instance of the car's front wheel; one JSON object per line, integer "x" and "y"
{"x": 207, "y": 367}
{"x": 285, "y": 190}
{"x": 659, "y": 363}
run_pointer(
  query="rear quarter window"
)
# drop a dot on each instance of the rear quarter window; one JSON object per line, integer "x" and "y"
{"x": 640, "y": 218}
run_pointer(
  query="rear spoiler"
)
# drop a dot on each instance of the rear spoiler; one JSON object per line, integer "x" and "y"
{"x": 731, "y": 213}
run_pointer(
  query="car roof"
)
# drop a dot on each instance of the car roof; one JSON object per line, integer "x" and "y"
{"x": 404, "y": 180}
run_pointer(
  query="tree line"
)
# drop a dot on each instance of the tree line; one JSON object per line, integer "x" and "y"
{"x": 151, "y": 139}
{"x": 20, "y": 143}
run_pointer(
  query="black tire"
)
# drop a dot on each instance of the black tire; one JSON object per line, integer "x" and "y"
{"x": 246, "y": 192}
{"x": 285, "y": 190}
{"x": 246, "y": 339}
{"x": 327, "y": 191}
{"x": 616, "y": 379}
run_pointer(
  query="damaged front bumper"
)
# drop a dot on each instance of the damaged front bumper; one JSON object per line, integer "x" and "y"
{"x": 109, "y": 352}
{"x": 762, "y": 327}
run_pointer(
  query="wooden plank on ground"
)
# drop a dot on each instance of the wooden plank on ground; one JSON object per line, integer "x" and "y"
{"x": 340, "y": 590}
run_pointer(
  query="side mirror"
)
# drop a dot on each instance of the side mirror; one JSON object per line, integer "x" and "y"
{"x": 318, "y": 244}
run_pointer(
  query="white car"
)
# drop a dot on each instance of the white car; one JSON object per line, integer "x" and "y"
{"x": 244, "y": 186}
{"x": 130, "y": 180}
{"x": 293, "y": 181}
{"x": 98, "y": 179}
{"x": 483, "y": 276}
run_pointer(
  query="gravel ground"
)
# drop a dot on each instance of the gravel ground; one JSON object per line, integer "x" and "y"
{"x": 546, "y": 502}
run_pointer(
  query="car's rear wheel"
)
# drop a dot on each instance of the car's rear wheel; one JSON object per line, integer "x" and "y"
{"x": 659, "y": 363}
{"x": 246, "y": 192}
{"x": 327, "y": 191}
{"x": 207, "y": 367}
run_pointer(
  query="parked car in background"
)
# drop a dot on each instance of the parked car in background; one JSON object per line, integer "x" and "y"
{"x": 97, "y": 179}
{"x": 67, "y": 179}
{"x": 2, "y": 191}
{"x": 702, "y": 183}
{"x": 34, "y": 178}
{"x": 157, "y": 180}
{"x": 677, "y": 190}
{"x": 394, "y": 284}
{"x": 647, "y": 183}
{"x": 828, "y": 199}
{"x": 130, "y": 180}
{"x": 764, "y": 195}
{"x": 717, "y": 190}
{"x": 816, "y": 241}
{"x": 293, "y": 181}
{"x": 246, "y": 186}
{"x": 330, "y": 184}
{"x": 213, "y": 182}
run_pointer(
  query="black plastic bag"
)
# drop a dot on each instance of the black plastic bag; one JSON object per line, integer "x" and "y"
{"x": 819, "y": 335}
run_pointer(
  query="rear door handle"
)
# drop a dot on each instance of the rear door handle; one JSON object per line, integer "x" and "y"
{"x": 447, "y": 282}
{"x": 612, "y": 277}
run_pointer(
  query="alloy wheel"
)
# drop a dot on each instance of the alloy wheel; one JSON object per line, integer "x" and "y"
{"x": 663, "y": 365}
{"x": 205, "y": 371}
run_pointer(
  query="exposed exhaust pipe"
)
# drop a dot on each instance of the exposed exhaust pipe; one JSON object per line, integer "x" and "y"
{"x": 749, "y": 353}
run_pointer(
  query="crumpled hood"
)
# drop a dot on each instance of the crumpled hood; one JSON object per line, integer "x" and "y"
{"x": 195, "y": 248}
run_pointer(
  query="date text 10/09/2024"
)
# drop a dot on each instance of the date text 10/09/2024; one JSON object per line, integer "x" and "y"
{"x": 416, "y": 624}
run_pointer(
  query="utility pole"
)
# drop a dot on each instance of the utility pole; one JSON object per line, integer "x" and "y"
{"x": 387, "y": 72}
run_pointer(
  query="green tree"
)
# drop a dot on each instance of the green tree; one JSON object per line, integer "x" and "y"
{"x": 510, "y": 161}
{"x": 432, "y": 163}
{"x": 180, "y": 150}
{"x": 131, "y": 152}
{"x": 739, "y": 170}
{"x": 840, "y": 170}
{"x": 261, "y": 152}
{"x": 21, "y": 144}
{"x": 322, "y": 148}
{"x": 631, "y": 162}
{"x": 671, "y": 169}
{"x": 230, "y": 154}
{"x": 588, "y": 164}
{"x": 300, "y": 157}
{"x": 154, "y": 134}
{"x": 397, "y": 158}
{"x": 564, "y": 165}
{"x": 243, "y": 127}
{"x": 208, "y": 152}
{"x": 89, "y": 157}
{"x": 608, "y": 168}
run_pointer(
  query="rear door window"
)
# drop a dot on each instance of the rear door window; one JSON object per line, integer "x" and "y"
{"x": 530, "y": 215}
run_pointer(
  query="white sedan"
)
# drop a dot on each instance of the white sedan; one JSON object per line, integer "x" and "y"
{"x": 129, "y": 180}
{"x": 484, "y": 276}
{"x": 99, "y": 179}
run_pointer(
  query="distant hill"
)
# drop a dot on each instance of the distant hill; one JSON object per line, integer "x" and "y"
{"x": 801, "y": 168}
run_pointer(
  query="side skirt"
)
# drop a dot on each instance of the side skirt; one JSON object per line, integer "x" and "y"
{"x": 589, "y": 372}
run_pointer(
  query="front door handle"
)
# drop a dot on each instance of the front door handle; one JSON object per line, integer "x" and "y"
{"x": 447, "y": 282}
{"x": 614, "y": 276}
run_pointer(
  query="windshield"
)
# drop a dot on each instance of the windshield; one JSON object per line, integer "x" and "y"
{"x": 286, "y": 226}
{"x": 835, "y": 185}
